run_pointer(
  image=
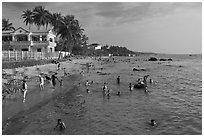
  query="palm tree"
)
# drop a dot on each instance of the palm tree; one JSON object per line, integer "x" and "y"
{"x": 84, "y": 40}
{"x": 28, "y": 17}
{"x": 55, "y": 20}
{"x": 41, "y": 16}
{"x": 6, "y": 25}
{"x": 69, "y": 31}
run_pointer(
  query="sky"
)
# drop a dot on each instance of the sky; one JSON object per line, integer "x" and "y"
{"x": 159, "y": 27}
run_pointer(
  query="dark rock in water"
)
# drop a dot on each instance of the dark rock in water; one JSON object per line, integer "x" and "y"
{"x": 166, "y": 59}
{"x": 139, "y": 69}
{"x": 163, "y": 60}
{"x": 101, "y": 73}
{"x": 152, "y": 59}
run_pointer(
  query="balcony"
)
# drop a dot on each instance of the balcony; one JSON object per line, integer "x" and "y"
{"x": 20, "y": 43}
{"x": 39, "y": 43}
{"x": 5, "y": 43}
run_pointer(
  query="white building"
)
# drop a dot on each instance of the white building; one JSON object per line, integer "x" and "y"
{"x": 24, "y": 40}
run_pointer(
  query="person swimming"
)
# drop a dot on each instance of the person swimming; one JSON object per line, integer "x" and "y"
{"x": 53, "y": 79}
{"x": 150, "y": 80}
{"x": 119, "y": 93}
{"x": 61, "y": 81}
{"x": 105, "y": 87}
{"x": 60, "y": 124}
{"x": 87, "y": 90}
{"x": 87, "y": 83}
{"x": 130, "y": 87}
{"x": 108, "y": 93}
{"x": 153, "y": 122}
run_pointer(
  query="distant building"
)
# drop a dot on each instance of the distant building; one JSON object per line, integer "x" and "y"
{"x": 24, "y": 40}
{"x": 98, "y": 47}
{"x": 94, "y": 46}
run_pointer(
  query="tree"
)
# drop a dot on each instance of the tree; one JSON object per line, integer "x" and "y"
{"x": 55, "y": 20}
{"x": 28, "y": 17}
{"x": 69, "y": 30}
{"x": 6, "y": 25}
{"x": 41, "y": 16}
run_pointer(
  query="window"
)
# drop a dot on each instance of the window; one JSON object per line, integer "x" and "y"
{"x": 44, "y": 38}
{"x": 50, "y": 39}
{"x": 39, "y": 50}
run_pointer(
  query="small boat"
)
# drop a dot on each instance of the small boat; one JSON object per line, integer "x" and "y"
{"x": 139, "y": 85}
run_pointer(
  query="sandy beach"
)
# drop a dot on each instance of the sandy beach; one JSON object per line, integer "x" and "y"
{"x": 14, "y": 109}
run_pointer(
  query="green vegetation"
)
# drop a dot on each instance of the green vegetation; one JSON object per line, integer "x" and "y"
{"x": 67, "y": 28}
{"x": 6, "y": 25}
{"x": 70, "y": 34}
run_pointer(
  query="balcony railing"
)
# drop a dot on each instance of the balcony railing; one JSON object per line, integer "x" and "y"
{"x": 20, "y": 42}
{"x": 31, "y": 43}
{"x": 35, "y": 43}
{"x": 5, "y": 42}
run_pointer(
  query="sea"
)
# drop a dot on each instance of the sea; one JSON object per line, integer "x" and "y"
{"x": 173, "y": 100}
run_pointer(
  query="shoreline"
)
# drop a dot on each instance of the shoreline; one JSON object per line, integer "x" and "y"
{"x": 8, "y": 121}
{"x": 18, "y": 121}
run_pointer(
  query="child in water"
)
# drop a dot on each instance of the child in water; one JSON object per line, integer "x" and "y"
{"x": 130, "y": 87}
{"x": 153, "y": 122}
{"x": 61, "y": 81}
{"x": 119, "y": 93}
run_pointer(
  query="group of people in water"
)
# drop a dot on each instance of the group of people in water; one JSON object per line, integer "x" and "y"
{"x": 106, "y": 92}
{"x": 45, "y": 77}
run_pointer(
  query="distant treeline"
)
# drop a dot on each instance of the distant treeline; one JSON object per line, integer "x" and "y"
{"x": 104, "y": 51}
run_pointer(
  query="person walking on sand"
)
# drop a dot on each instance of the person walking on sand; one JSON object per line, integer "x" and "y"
{"x": 41, "y": 82}
{"x": 24, "y": 89}
{"x": 61, "y": 125}
{"x": 53, "y": 79}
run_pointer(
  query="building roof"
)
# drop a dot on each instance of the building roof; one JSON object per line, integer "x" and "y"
{"x": 22, "y": 30}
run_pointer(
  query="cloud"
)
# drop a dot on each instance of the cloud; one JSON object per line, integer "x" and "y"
{"x": 118, "y": 13}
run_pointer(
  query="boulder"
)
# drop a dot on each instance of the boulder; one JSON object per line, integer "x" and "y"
{"x": 153, "y": 59}
{"x": 163, "y": 60}
{"x": 139, "y": 69}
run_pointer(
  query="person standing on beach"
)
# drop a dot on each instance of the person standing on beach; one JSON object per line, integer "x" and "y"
{"x": 53, "y": 79}
{"x": 41, "y": 82}
{"x": 118, "y": 80}
{"x": 24, "y": 89}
